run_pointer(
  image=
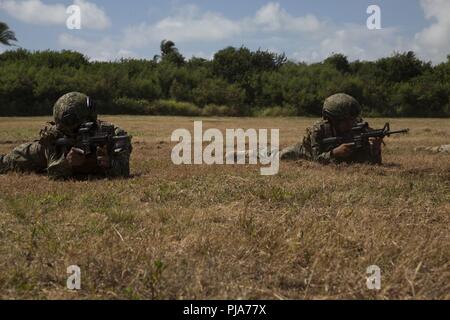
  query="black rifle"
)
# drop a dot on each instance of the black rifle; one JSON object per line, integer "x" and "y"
{"x": 90, "y": 136}
{"x": 361, "y": 134}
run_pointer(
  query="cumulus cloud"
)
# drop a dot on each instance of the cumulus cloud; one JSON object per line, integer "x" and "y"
{"x": 92, "y": 16}
{"x": 272, "y": 17}
{"x": 38, "y": 13}
{"x": 105, "y": 49}
{"x": 35, "y": 12}
{"x": 434, "y": 41}
{"x": 356, "y": 42}
{"x": 189, "y": 24}
{"x": 304, "y": 37}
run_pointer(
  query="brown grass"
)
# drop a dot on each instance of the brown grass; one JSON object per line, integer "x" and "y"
{"x": 208, "y": 232}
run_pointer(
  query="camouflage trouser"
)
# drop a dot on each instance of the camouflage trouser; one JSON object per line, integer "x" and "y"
{"x": 297, "y": 151}
{"x": 439, "y": 149}
{"x": 26, "y": 157}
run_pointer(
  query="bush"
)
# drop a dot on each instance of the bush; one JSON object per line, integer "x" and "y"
{"x": 277, "y": 111}
{"x": 236, "y": 82}
{"x": 159, "y": 107}
{"x": 215, "y": 110}
{"x": 131, "y": 106}
{"x": 174, "y": 108}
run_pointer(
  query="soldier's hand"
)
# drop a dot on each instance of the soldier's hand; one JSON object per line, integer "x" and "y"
{"x": 75, "y": 158}
{"x": 103, "y": 158}
{"x": 343, "y": 151}
{"x": 376, "y": 142}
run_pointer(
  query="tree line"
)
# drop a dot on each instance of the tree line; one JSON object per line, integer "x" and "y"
{"x": 235, "y": 82}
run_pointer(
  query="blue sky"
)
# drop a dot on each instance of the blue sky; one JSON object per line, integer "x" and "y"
{"x": 307, "y": 30}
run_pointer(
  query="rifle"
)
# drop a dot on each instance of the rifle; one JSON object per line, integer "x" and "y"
{"x": 90, "y": 136}
{"x": 361, "y": 134}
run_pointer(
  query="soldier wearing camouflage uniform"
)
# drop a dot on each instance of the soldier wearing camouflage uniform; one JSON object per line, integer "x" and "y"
{"x": 43, "y": 155}
{"x": 341, "y": 113}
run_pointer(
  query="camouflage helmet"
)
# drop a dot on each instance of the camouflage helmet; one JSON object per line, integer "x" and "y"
{"x": 341, "y": 106}
{"x": 71, "y": 110}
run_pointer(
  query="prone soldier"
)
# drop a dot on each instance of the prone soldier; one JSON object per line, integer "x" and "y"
{"x": 341, "y": 136}
{"x": 63, "y": 160}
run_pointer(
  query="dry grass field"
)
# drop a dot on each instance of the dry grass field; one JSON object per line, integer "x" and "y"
{"x": 226, "y": 232}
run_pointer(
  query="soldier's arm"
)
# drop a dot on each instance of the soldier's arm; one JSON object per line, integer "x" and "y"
{"x": 58, "y": 166}
{"x": 292, "y": 152}
{"x": 318, "y": 151}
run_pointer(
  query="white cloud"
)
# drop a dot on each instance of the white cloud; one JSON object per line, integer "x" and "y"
{"x": 273, "y": 26}
{"x": 35, "y": 12}
{"x": 434, "y": 41}
{"x": 92, "y": 17}
{"x": 358, "y": 42}
{"x": 189, "y": 24}
{"x": 272, "y": 17}
{"x": 38, "y": 13}
{"x": 195, "y": 27}
{"x": 304, "y": 38}
{"x": 105, "y": 49}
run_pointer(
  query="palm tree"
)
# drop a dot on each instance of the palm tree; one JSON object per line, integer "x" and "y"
{"x": 167, "y": 47}
{"x": 169, "y": 52}
{"x": 6, "y": 35}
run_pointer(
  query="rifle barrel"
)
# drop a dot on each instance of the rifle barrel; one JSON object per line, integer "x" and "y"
{"x": 398, "y": 131}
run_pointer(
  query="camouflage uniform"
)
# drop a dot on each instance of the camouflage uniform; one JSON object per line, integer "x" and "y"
{"x": 312, "y": 148}
{"x": 445, "y": 148}
{"x": 44, "y": 155}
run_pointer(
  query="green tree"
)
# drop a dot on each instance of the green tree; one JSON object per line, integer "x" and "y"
{"x": 6, "y": 35}
{"x": 170, "y": 53}
{"x": 236, "y": 82}
{"x": 401, "y": 67}
{"x": 338, "y": 61}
